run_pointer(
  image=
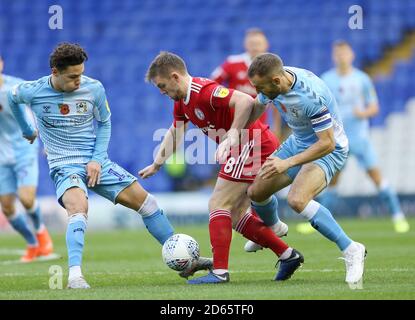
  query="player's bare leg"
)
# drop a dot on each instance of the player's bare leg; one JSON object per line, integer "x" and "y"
{"x": 309, "y": 182}
{"x": 76, "y": 205}
{"x": 18, "y": 222}
{"x": 139, "y": 200}
{"x": 400, "y": 223}
{"x": 27, "y": 196}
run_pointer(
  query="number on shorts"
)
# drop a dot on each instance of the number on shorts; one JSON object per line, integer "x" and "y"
{"x": 229, "y": 165}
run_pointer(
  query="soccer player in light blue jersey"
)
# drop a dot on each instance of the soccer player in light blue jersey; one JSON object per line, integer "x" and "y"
{"x": 66, "y": 103}
{"x": 19, "y": 177}
{"x": 357, "y": 101}
{"x": 309, "y": 158}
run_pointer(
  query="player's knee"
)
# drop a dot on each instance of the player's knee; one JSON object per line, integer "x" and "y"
{"x": 8, "y": 209}
{"x": 75, "y": 201}
{"x": 255, "y": 195}
{"x": 296, "y": 202}
{"x": 28, "y": 201}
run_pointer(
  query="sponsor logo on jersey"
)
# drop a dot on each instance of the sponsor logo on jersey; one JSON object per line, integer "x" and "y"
{"x": 74, "y": 179}
{"x": 64, "y": 108}
{"x": 221, "y": 92}
{"x": 294, "y": 112}
{"x": 199, "y": 114}
{"x": 81, "y": 107}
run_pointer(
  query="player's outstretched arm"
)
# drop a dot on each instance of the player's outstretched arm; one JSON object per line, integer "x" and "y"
{"x": 171, "y": 141}
{"x": 19, "y": 112}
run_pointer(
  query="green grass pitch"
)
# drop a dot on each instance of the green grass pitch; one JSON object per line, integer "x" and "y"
{"x": 128, "y": 265}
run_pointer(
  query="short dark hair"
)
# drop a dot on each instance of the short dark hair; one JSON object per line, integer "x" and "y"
{"x": 265, "y": 63}
{"x": 165, "y": 63}
{"x": 67, "y": 54}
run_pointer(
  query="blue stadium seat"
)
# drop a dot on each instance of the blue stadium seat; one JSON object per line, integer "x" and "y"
{"x": 122, "y": 37}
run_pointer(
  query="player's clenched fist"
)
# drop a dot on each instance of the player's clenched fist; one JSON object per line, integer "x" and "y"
{"x": 149, "y": 171}
{"x": 93, "y": 170}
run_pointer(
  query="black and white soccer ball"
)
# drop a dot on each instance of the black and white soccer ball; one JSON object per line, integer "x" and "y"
{"x": 180, "y": 251}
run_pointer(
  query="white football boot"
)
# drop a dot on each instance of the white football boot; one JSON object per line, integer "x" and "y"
{"x": 280, "y": 229}
{"x": 78, "y": 283}
{"x": 354, "y": 258}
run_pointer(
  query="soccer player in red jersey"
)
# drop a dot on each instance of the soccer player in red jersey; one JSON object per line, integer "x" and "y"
{"x": 233, "y": 73}
{"x": 218, "y": 111}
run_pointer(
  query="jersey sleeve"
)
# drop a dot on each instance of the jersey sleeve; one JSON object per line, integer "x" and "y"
{"x": 18, "y": 97}
{"x": 102, "y": 112}
{"x": 178, "y": 114}
{"x": 23, "y": 93}
{"x": 217, "y": 96}
{"x": 369, "y": 92}
{"x": 319, "y": 114}
{"x": 220, "y": 74}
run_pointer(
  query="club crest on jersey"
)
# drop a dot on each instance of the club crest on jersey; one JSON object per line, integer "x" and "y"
{"x": 81, "y": 107}
{"x": 64, "y": 109}
{"x": 199, "y": 114}
{"x": 221, "y": 92}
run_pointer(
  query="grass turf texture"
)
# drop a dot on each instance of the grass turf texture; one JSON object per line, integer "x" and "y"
{"x": 128, "y": 265}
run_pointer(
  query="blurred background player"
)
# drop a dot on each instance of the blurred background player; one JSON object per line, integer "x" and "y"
{"x": 233, "y": 73}
{"x": 65, "y": 105}
{"x": 357, "y": 101}
{"x": 19, "y": 173}
{"x": 310, "y": 157}
{"x": 218, "y": 111}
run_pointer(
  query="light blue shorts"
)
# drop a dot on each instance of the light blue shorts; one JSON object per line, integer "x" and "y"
{"x": 364, "y": 152}
{"x": 114, "y": 179}
{"x": 24, "y": 172}
{"x": 331, "y": 163}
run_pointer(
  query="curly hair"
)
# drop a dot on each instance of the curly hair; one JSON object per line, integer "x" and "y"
{"x": 67, "y": 54}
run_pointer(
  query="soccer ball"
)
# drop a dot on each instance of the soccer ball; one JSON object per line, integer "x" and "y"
{"x": 180, "y": 251}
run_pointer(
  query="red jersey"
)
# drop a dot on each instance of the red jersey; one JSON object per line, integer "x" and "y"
{"x": 234, "y": 74}
{"x": 207, "y": 107}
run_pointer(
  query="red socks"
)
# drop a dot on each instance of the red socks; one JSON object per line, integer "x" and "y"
{"x": 220, "y": 230}
{"x": 254, "y": 229}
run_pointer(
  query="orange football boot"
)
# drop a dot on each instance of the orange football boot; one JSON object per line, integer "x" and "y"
{"x": 45, "y": 243}
{"x": 30, "y": 255}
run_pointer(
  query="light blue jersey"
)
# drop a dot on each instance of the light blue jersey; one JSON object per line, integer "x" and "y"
{"x": 352, "y": 91}
{"x": 66, "y": 125}
{"x": 308, "y": 108}
{"x": 65, "y": 119}
{"x": 13, "y": 145}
